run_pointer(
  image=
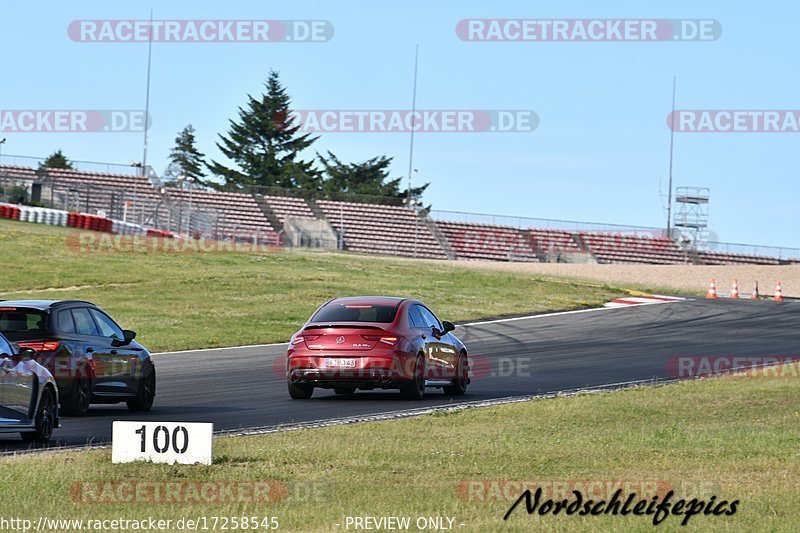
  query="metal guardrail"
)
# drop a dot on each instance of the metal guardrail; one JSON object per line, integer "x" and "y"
{"x": 778, "y": 252}
{"x": 86, "y": 166}
{"x": 544, "y": 223}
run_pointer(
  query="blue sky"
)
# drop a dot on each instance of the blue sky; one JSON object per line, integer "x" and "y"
{"x": 600, "y": 152}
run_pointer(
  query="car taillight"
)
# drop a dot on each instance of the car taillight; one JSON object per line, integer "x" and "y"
{"x": 41, "y": 346}
{"x": 304, "y": 338}
{"x": 391, "y": 341}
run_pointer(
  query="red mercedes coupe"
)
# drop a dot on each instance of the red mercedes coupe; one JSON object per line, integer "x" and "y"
{"x": 376, "y": 342}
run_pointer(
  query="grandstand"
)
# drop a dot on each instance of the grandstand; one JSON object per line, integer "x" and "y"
{"x": 287, "y": 206}
{"x": 617, "y": 248}
{"x": 382, "y": 229}
{"x": 488, "y": 242}
{"x": 361, "y": 226}
{"x": 118, "y": 196}
{"x": 225, "y": 213}
{"x": 552, "y": 241}
{"x": 722, "y": 258}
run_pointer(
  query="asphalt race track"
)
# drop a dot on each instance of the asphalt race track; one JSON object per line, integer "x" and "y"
{"x": 238, "y": 388}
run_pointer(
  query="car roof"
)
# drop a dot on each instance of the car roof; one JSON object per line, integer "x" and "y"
{"x": 369, "y": 300}
{"x": 41, "y": 305}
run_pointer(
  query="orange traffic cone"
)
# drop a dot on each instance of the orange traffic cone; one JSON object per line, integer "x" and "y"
{"x": 735, "y": 289}
{"x": 778, "y": 293}
{"x": 712, "y": 290}
{"x": 755, "y": 295}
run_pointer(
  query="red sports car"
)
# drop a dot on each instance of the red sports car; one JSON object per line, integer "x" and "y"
{"x": 376, "y": 342}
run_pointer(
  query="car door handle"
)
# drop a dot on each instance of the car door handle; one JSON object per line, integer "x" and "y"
{"x": 424, "y": 337}
{"x": 113, "y": 352}
{"x": 89, "y": 350}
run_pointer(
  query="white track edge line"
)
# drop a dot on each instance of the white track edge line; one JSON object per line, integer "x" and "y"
{"x": 495, "y": 321}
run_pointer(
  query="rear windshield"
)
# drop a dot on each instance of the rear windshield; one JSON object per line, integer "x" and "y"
{"x": 22, "y": 324}
{"x": 351, "y": 312}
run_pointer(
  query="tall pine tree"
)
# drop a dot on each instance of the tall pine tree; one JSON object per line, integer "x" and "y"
{"x": 186, "y": 162}
{"x": 265, "y": 145}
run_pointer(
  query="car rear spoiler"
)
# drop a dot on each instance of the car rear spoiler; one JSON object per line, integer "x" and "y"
{"x": 349, "y": 325}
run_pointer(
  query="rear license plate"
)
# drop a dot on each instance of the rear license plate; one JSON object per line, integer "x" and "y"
{"x": 339, "y": 362}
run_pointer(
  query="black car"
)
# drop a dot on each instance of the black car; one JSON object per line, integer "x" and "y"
{"x": 92, "y": 359}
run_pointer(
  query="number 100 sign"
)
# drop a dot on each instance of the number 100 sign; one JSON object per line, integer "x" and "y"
{"x": 162, "y": 442}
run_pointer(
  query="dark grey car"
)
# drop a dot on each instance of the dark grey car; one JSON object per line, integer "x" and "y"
{"x": 28, "y": 395}
{"x": 91, "y": 357}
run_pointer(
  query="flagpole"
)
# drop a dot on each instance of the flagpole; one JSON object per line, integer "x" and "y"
{"x": 146, "y": 117}
{"x": 413, "y": 113}
{"x": 671, "y": 146}
{"x": 147, "y": 92}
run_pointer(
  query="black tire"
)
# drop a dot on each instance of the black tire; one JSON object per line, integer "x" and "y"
{"x": 415, "y": 388}
{"x": 460, "y": 382}
{"x": 77, "y": 402}
{"x": 344, "y": 390}
{"x": 300, "y": 391}
{"x": 146, "y": 391}
{"x": 45, "y": 419}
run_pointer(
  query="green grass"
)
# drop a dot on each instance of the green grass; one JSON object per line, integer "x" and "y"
{"x": 182, "y": 300}
{"x": 736, "y": 438}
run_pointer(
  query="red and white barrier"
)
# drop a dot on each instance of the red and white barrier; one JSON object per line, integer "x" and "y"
{"x": 57, "y": 217}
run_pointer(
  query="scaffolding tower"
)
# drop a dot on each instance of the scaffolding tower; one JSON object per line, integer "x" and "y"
{"x": 691, "y": 216}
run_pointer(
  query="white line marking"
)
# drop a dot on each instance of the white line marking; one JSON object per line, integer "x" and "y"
{"x": 512, "y": 319}
{"x": 495, "y": 321}
{"x": 224, "y": 348}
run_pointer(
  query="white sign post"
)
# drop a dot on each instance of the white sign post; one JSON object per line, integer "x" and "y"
{"x": 162, "y": 442}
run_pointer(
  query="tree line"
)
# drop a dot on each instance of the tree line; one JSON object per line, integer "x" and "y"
{"x": 264, "y": 148}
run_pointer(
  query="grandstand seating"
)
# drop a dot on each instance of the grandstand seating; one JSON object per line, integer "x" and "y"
{"x": 229, "y": 212}
{"x": 93, "y": 192}
{"x": 552, "y": 240}
{"x": 288, "y": 206}
{"x": 620, "y": 248}
{"x": 18, "y": 172}
{"x": 382, "y": 229}
{"x": 369, "y": 228}
{"x": 484, "y": 241}
{"x": 722, "y": 258}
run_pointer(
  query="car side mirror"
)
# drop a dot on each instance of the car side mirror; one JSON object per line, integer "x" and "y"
{"x": 127, "y": 338}
{"x": 448, "y": 326}
{"x": 27, "y": 354}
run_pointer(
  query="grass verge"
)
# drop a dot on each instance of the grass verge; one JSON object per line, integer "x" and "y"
{"x": 735, "y": 438}
{"x": 204, "y": 300}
